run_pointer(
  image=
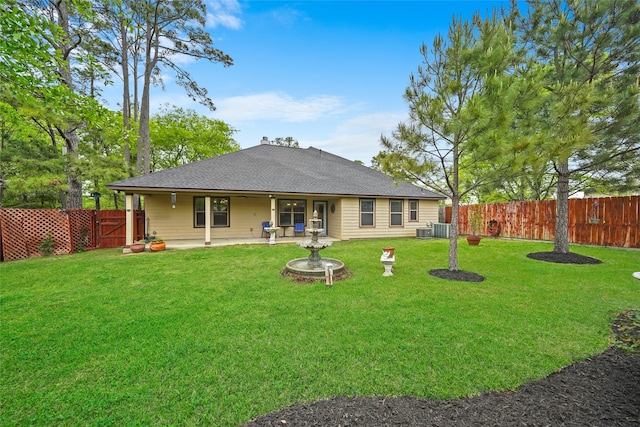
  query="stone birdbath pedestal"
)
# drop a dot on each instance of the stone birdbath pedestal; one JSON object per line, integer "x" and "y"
{"x": 272, "y": 234}
{"x": 388, "y": 259}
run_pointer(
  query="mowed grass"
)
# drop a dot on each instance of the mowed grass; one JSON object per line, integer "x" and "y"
{"x": 215, "y": 336}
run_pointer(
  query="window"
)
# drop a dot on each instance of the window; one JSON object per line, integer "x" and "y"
{"x": 367, "y": 209}
{"x": 395, "y": 212}
{"x": 291, "y": 212}
{"x": 219, "y": 212}
{"x": 413, "y": 210}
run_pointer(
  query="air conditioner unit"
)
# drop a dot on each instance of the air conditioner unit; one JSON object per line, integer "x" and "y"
{"x": 424, "y": 233}
{"x": 441, "y": 230}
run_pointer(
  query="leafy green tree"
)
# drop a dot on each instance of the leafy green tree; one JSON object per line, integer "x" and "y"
{"x": 182, "y": 136}
{"x": 102, "y": 147}
{"x": 460, "y": 105}
{"x": 49, "y": 44}
{"x": 528, "y": 180}
{"x": 27, "y": 66}
{"x": 590, "y": 121}
{"x": 31, "y": 168}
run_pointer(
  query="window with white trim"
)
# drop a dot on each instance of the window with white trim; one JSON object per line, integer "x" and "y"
{"x": 219, "y": 212}
{"x": 291, "y": 212}
{"x": 413, "y": 210}
{"x": 395, "y": 212}
{"x": 367, "y": 212}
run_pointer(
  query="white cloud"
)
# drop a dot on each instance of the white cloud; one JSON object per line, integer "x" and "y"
{"x": 285, "y": 16}
{"x": 358, "y": 138}
{"x": 277, "y": 106}
{"x": 224, "y": 13}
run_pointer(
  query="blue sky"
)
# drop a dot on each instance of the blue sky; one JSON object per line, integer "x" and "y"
{"x": 330, "y": 74}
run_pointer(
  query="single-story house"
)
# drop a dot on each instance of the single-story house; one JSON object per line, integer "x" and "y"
{"x": 232, "y": 195}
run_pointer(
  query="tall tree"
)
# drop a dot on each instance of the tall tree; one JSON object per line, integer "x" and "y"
{"x": 171, "y": 29}
{"x": 61, "y": 106}
{"x": 145, "y": 38}
{"x": 590, "y": 122}
{"x": 119, "y": 28}
{"x": 459, "y": 107}
{"x": 69, "y": 41}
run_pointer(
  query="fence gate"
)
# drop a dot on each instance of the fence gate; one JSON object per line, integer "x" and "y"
{"x": 113, "y": 228}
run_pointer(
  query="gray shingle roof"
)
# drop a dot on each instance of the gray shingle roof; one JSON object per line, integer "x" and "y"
{"x": 276, "y": 169}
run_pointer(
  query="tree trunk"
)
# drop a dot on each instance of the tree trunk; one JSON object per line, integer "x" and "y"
{"x": 143, "y": 164}
{"x": 70, "y": 136}
{"x": 126, "y": 98}
{"x": 561, "y": 240}
{"x": 453, "y": 238}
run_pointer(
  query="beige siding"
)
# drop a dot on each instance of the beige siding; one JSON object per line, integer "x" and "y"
{"x": 427, "y": 211}
{"x": 170, "y": 223}
{"x": 247, "y": 214}
{"x": 334, "y": 224}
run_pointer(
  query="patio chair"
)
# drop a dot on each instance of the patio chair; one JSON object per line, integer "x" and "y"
{"x": 265, "y": 224}
{"x": 298, "y": 227}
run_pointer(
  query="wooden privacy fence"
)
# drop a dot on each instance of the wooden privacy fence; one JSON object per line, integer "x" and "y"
{"x": 603, "y": 221}
{"x": 22, "y": 231}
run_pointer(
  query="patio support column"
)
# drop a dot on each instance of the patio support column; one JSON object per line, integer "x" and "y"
{"x": 273, "y": 209}
{"x": 207, "y": 220}
{"x": 128, "y": 205}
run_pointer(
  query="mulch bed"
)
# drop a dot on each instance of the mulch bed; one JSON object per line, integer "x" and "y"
{"x": 601, "y": 391}
{"x": 562, "y": 258}
{"x": 457, "y": 275}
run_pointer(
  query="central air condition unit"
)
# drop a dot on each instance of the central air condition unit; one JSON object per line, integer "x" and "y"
{"x": 441, "y": 230}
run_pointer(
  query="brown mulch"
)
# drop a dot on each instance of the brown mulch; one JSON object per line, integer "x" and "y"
{"x": 601, "y": 391}
{"x": 563, "y": 258}
{"x": 457, "y": 275}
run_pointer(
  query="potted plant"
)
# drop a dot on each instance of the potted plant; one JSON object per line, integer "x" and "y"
{"x": 138, "y": 246}
{"x": 157, "y": 244}
{"x": 388, "y": 252}
{"x": 476, "y": 221}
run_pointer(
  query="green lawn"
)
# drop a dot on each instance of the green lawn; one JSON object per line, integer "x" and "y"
{"x": 215, "y": 336}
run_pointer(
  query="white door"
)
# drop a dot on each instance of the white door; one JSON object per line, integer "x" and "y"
{"x": 321, "y": 207}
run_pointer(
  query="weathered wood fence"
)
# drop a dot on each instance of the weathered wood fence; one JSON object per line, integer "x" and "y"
{"x": 23, "y": 230}
{"x": 602, "y": 221}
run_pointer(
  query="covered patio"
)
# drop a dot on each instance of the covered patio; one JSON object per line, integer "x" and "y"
{"x": 198, "y": 243}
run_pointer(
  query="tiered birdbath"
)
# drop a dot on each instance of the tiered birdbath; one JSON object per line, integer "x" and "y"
{"x": 314, "y": 266}
{"x": 272, "y": 233}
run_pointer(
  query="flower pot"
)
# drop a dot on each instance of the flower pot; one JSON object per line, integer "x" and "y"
{"x": 388, "y": 252}
{"x": 594, "y": 220}
{"x": 137, "y": 247}
{"x": 157, "y": 246}
{"x": 473, "y": 240}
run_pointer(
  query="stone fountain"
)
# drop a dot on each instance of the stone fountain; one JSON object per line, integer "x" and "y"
{"x": 314, "y": 266}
